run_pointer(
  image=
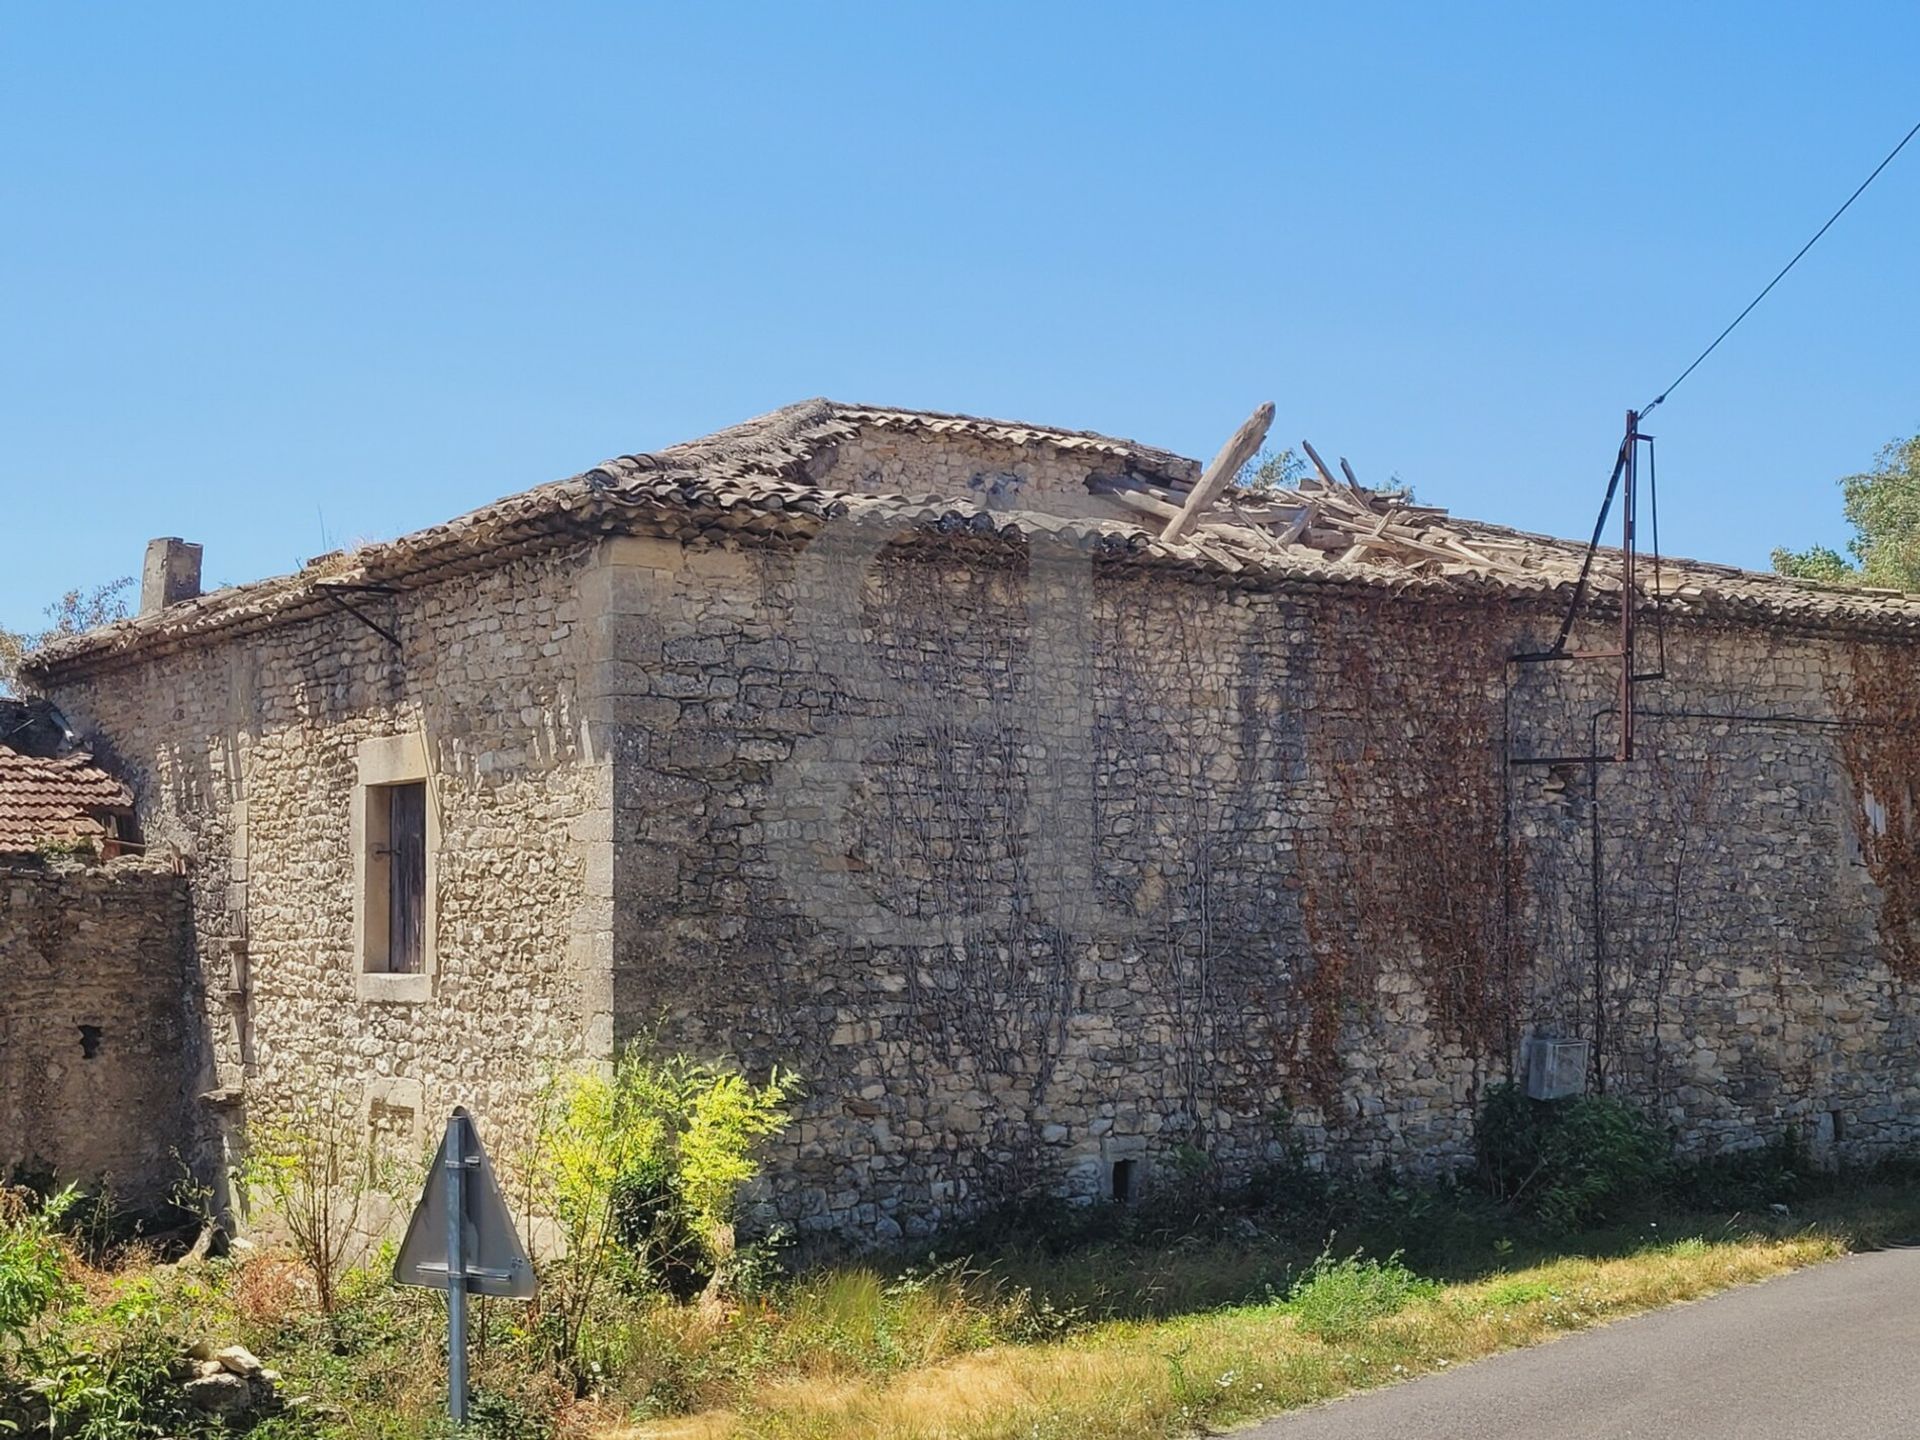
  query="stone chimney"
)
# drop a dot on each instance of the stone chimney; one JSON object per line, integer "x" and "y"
{"x": 172, "y": 574}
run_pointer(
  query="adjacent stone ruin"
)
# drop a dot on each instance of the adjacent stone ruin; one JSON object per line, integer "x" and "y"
{"x": 99, "y": 1027}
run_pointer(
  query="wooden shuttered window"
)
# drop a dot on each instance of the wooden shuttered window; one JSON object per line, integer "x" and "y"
{"x": 394, "y": 834}
{"x": 406, "y": 876}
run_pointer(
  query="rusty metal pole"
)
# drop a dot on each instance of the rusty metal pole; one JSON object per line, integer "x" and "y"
{"x": 1625, "y": 750}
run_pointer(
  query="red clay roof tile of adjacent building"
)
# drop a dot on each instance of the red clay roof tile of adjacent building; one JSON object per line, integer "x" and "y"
{"x": 56, "y": 800}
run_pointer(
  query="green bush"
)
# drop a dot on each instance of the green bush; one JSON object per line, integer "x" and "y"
{"x": 123, "y": 1392}
{"x": 1336, "y": 1298}
{"x": 640, "y": 1168}
{"x": 67, "y": 1371}
{"x": 1573, "y": 1162}
{"x": 33, "y": 1271}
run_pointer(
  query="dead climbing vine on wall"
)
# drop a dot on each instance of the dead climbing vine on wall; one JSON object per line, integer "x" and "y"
{"x": 1879, "y": 692}
{"x": 1416, "y": 868}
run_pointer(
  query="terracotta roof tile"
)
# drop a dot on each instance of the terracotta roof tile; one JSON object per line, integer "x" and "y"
{"x": 765, "y": 477}
{"x": 1144, "y": 458}
{"x": 66, "y": 797}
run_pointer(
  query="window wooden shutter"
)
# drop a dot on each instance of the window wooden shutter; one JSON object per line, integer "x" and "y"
{"x": 407, "y": 887}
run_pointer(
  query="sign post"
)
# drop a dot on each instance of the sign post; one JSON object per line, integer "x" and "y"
{"x": 454, "y": 1147}
{"x": 461, "y": 1239}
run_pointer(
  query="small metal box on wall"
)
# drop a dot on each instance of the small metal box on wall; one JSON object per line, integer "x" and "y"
{"x": 1556, "y": 1069}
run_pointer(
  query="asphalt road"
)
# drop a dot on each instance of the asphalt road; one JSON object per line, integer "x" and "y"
{"x": 1832, "y": 1352}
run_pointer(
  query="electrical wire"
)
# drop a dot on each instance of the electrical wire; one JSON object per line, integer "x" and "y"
{"x": 1661, "y": 397}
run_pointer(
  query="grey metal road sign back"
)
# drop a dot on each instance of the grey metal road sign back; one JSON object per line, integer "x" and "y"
{"x": 461, "y": 1240}
{"x": 495, "y": 1262}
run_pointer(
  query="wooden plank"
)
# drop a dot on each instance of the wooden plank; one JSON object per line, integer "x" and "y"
{"x": 1240, "y": 448}
{"x": 1392, "y": 540}
{"x": 1340, "y": 498}
{"x": 1319, "y": 464}
{"x": 1261, "y": 514}
{"x": 1111, "y": 484}
{"x": 1308, "y": 514}
{"x": 1239, "y": 530}
{"x": 1368, "y": 542}
{"x": 1474, "y": 555}
{"x": 1255, "y": 520}
{"x": 1219, "y": 557}
{"x": 1276, "y": 507}
{"x": 1145, "y": 504}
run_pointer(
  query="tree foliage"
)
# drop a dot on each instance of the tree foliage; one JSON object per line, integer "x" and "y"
{"x": 1271, "y": 470}
{"x": 1883, "y": 507}
{"x": 73, "y": 613}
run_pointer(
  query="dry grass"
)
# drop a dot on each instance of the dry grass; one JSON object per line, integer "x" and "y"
{"x": 1140, "y": 1326}
{"x": 1176, "y": 1376}
{"x": 266, "y": 1290}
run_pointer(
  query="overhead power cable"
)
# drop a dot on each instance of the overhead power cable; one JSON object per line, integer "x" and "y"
{"x": 1661, "y": 397}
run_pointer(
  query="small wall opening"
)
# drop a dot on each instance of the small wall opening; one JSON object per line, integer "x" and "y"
{"x": 1839, "y": 1120}
{"x": 1124, "y": 1181}
{"x": 89, "y": 1041}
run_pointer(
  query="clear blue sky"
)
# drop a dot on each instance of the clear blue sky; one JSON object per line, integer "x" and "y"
{"x": 262, "y": 264}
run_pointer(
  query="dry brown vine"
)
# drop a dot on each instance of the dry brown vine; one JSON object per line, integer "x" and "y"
{"x": 1880, "y": 695}
{"x": 1417, "y": 859}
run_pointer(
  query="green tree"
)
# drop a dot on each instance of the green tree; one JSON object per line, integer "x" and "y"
{"x": 1883, "y": 507}
{"x": 1271, "y": 470}
{"x": 72, "y": 614}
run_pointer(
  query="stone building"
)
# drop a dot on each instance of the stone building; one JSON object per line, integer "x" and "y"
{"x": 904, "y": 750}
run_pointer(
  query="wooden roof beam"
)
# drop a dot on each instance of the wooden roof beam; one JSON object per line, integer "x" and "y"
{"x": 1244, "y": 445}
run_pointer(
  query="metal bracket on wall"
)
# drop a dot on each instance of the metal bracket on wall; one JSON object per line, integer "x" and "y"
{"x": 1626, "y": 466}
{"x": 338, "y": 590}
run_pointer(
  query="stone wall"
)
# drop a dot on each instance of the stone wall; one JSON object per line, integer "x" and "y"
{"x": 1028, "y": 877}
{"x": 245, "y": 754}
{"x": 99, "y": 1049}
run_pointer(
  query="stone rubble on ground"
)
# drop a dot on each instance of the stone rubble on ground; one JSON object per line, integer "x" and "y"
{"x": 228, "y": 1380}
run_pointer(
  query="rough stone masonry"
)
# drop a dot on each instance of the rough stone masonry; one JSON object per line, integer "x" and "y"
{"x": 98, "y": 1029}
{"x": 898, "y": 749}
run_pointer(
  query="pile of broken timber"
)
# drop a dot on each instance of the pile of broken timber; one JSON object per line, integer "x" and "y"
{"x": 1339, "y": 518}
